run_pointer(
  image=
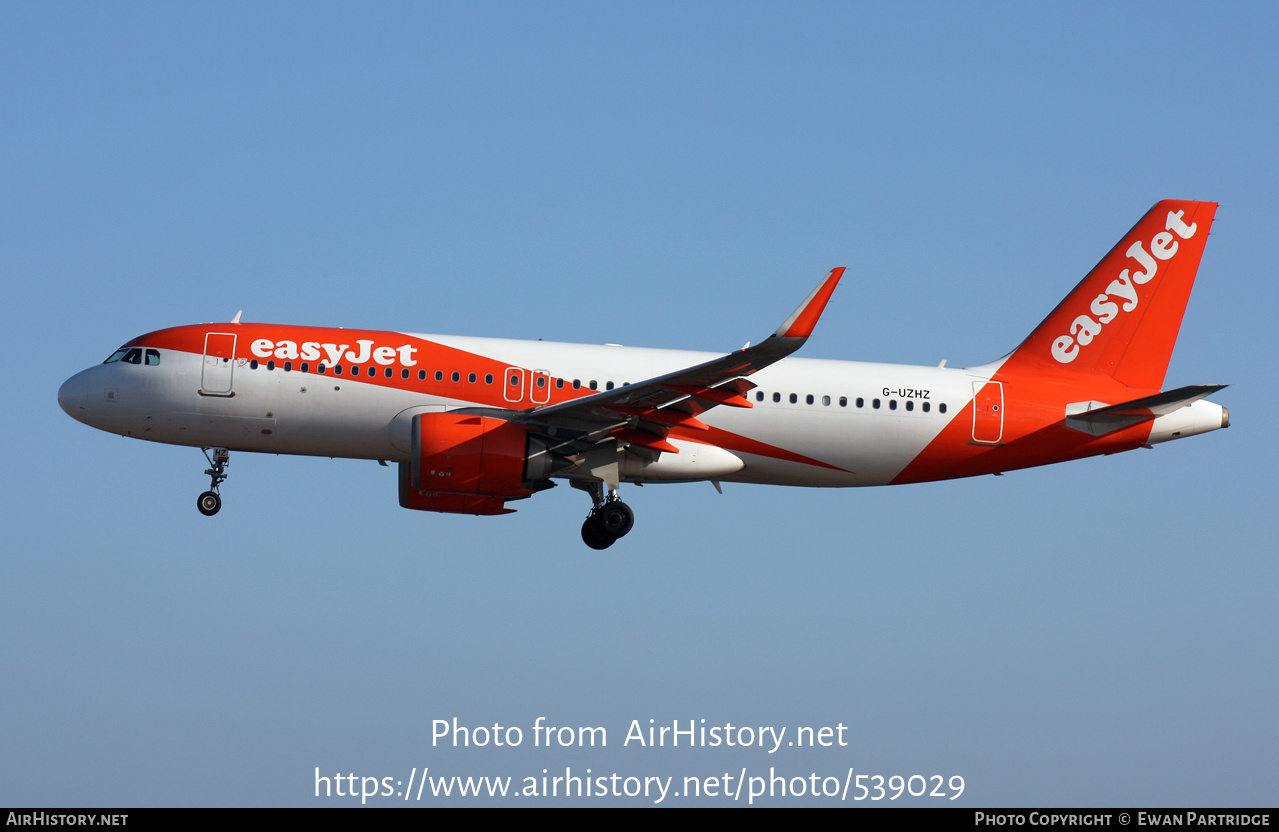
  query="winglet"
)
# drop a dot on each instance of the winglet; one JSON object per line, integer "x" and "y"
{"x": 802, "y": 321}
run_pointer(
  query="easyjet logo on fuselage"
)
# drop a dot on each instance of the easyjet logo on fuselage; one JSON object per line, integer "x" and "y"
{"x": 333, "y": 353}
{"x": 1123, "y": 289}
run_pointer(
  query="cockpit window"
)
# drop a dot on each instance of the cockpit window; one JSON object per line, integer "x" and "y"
{"x": 133, "y": 355}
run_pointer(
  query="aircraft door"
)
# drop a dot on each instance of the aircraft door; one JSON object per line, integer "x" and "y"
{"x": 540, "y": 389}
{"x": 988, "y": 412}
{"x": 513, "y": 384}
{"x": 219, "y": 364}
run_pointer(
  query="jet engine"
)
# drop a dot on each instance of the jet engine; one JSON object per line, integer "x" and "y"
{"x": 468, "y": 464}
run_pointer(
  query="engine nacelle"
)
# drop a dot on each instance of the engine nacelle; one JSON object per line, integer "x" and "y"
{"x": 411, "y": 497}
{"x": 465, "y": 464}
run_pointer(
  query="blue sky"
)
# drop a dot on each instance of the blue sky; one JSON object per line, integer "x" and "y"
{"x": 672, "y": 175}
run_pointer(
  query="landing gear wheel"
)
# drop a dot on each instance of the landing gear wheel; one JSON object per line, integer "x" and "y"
{"x": 616, "y": 518}
{"x": 609, "y": 519}
{"x": 594, "y": 534}
{"x": 209, "y": 503}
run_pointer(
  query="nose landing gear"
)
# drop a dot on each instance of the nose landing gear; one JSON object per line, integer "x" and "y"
{"x": 608, "y": 521}
{"x": 210, "y": 502}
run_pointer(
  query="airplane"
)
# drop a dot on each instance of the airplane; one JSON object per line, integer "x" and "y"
{"x": 476, "y": 423}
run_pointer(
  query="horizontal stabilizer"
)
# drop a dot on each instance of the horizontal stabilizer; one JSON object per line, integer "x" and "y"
{"x": 1098, "y": 419}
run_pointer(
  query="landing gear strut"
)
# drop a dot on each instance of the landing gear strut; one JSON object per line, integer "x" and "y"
{"x": 210, "y": 502}
{"x": 609, "y": 520}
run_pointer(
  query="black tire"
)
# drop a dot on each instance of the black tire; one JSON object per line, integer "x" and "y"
{"x": 209, "y": 503}
{"x": 593, "y": 533}
{"x": 616, "y": 519}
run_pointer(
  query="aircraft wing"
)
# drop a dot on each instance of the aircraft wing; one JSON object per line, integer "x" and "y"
{"x": 642, "y": 413}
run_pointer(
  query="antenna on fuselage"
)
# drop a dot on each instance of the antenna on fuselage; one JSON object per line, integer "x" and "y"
{"x": 236, "y": 319}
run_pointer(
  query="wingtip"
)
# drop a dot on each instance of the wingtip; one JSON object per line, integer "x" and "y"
{"x": 804, "y": 320}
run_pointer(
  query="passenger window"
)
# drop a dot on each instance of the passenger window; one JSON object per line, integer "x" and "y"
{"x": 471, "y": 378}
{"x": 305, "y": 367}
{"x": 456, "y": 376}
{"x": 404, "y": 373}
{"x": 288, "y": 366}
{"x": 809, "y": 398}
{"x": 826, "y": 400}
{"x": 910, "y": 405}
{"x": 153, "y": 358}
{"x": 373, "y": 371}
{"x": 793, "y": 398}
{"x": 861, "y": 402}
{"x": 595, "y": 384}
{"x": 777, "y": 397}
{"x": 892, "y": 404}
{"x": 439, "y": 375}
{"x": 875, "y": 404}
{"x": 941, "y": 408}
{"x": 577, "y": 384}
{"x": 390, "y": 372}
{"x": 608, "y": 386}
{"x": 337, "y": 369}
{"x": 320, "y": 368}
{"x": 515, "y": 381}
{"x": 270, "y": 365}
{"x": 759, "y": 397}
{"x": 926, "y": 407}
{"x": 843, "y": 401}
{"x": 559, "y": 383}
{"x": 253, "y": 365}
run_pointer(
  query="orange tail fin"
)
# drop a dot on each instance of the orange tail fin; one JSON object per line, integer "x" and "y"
{"x": 1122, "y": 320}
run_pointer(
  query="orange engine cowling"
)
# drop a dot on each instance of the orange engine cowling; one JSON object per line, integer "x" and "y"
{"x": 465, "y": 464}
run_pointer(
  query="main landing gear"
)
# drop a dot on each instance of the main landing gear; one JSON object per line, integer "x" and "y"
{"x": 609, "y": 520}
{"x": 210, "y": 502}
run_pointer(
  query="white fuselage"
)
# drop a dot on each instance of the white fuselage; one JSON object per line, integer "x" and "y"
{"x": 806, "y": 407}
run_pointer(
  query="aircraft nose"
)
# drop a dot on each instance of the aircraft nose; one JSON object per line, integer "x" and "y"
{"x": 73, "y": 397}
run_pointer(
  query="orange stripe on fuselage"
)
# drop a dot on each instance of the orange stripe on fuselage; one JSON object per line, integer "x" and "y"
{"x": 1034, "y": 431}
{"x": 737, "y": 443}
{"x": 427, "y": 355}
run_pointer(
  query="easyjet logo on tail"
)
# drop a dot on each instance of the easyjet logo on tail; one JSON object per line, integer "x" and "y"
{"x": 1123, "y": 289}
